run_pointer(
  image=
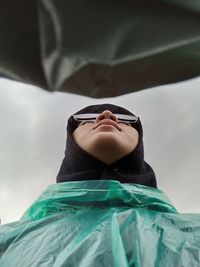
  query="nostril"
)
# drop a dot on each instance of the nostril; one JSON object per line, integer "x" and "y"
{"x": 101, "y": 117}
{"x": 114, "y": 118}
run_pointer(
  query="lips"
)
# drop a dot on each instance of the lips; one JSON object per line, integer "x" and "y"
{"x": 107, "y": 122}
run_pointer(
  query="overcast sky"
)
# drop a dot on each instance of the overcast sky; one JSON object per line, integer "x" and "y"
{"x": 33, "y": 135}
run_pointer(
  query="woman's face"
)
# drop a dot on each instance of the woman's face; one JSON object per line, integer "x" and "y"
{"x": 106, "y": 139}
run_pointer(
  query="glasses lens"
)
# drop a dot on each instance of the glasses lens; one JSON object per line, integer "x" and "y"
{"x": 93, "y": 116}
{"x": 85, "y": 117}
{"x": 127, "y": 118}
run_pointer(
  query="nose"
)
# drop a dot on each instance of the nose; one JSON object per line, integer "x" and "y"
{"x": 106, "y": 114}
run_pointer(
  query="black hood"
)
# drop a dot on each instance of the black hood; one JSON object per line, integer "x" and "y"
{"x": 79, "y": 165}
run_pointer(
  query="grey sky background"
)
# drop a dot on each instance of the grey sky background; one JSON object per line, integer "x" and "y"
{"x": 33, "y": 135}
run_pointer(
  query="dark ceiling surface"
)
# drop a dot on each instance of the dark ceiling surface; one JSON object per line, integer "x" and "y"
{"x": 99, "y": 48}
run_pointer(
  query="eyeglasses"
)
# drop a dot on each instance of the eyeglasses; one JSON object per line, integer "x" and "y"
{"x": 92, "y": 117}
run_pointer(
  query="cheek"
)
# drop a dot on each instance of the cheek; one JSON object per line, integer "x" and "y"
{"x": 75, "y": 136}
{"x": 81, "y": 134}
{"x": 136, "y": 138}
{"x": 132, "y": 136}
{"x": 78, "y": 136}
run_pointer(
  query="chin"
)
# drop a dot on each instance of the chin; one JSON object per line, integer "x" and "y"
{"x": 107, "y": 137}
{"x": 109, "y": 142}
{"x": 108, "y": 150}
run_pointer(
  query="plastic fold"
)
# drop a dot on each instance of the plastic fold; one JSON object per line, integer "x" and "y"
{"x": 101, "y": 223}
{"x": 99, "y": 48}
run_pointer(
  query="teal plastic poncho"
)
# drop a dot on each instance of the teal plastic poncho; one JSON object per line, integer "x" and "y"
{"x": 101, "y": 223}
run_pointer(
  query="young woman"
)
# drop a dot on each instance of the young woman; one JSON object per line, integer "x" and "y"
{"x": 105, "y": 209}
{"x": 105, "y": 142}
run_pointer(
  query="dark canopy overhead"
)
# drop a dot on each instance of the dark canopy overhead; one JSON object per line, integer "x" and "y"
{"x": 99, "y": 48}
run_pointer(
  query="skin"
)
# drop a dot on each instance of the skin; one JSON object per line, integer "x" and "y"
{"x": 106, "y": 139}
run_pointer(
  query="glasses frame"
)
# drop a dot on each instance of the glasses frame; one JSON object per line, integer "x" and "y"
{"x": 131, "y": 119}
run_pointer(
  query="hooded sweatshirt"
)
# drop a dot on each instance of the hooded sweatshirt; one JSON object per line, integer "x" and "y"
{"x": 79, "y": 165}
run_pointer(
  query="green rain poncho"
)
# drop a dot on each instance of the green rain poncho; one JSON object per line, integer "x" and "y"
{"x": 101, "y": 223}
